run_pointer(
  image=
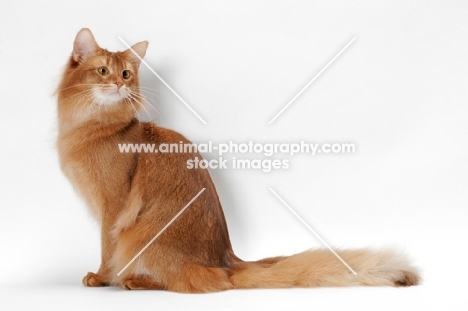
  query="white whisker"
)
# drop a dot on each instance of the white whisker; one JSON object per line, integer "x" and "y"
{"x": 148, "y": 102}
{"x": 93, "y": 100}
{"x": 74, "y": 95}
{"x": 128, "y": 101}
{"x": 141, "y": 105}
{"x": 144, "y": 98}
{"x": 77, "y": 85}
{"x": 83, "y": 101}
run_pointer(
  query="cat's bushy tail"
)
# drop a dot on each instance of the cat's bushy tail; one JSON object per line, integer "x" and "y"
{"x": 321, "y": 268}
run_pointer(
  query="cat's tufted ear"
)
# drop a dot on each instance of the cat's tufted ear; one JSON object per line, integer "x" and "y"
{"x": 84, "y": 45}
{"x": 140, "y": 50}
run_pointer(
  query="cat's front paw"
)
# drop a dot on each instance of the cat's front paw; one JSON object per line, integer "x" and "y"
{"x": 94, "y": 280}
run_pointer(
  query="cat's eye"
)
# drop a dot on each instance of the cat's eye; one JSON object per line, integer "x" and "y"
{"x": 126, "y": 74}
{"x": 103, "y": 71}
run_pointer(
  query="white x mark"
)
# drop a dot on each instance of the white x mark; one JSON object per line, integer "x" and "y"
{"x": 310, "y": 82}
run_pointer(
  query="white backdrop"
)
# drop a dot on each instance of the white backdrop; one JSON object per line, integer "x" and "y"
{"x": 398, "y": 93}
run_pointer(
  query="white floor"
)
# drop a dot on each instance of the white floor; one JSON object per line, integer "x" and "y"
{"x": 75, "y": 297}
{"x": 443, "y": 288}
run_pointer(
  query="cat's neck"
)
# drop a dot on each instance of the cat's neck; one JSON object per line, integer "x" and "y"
{"x": 106, "y": 120}
{"x": 93, "y": 130}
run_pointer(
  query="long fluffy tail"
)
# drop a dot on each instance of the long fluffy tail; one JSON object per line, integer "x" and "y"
{"x": 322, "y": 268}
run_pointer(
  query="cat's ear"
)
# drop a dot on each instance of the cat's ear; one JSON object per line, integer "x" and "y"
{"x": 140, "y": 50}
{"x": 84, "y": 45}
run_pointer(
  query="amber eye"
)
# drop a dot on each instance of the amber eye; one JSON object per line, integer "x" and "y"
{"x": 126, "y": 74}
{"x": 103, "y": 71}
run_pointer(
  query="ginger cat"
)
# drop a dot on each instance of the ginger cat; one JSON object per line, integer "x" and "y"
{"x": 134, "y": 195}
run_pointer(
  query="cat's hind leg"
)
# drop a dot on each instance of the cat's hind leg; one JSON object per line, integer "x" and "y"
{"x": 141, "y": 282}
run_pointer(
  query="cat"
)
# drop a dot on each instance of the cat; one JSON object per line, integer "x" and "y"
{"x": 134, "y": 195}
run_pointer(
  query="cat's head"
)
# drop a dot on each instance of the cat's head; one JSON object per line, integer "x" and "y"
{"x": 98, "y": 84}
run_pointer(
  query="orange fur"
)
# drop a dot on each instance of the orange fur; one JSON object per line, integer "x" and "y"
{"x": 133, "y": 196}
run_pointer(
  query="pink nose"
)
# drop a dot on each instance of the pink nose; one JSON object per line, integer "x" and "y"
{"x": 119, "y": 84}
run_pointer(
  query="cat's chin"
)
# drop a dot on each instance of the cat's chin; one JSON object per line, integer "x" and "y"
{"x": 108, "y": 98}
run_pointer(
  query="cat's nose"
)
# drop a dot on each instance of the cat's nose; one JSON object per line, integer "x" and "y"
{"x": 119, "y": 84}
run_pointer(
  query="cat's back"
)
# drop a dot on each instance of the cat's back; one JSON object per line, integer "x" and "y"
{"x": 151, "y": 133}
{"x": 165, "y": 153}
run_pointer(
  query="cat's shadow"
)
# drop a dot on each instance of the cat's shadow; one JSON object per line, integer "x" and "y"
{"x": 155, "y": 94}
{"x": 234, "y": 217}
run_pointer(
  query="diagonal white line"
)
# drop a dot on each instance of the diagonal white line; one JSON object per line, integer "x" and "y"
{"x": 160, "y": 232}
{"x": 313, "y": 231}
{"x": 313, "y": 79}
{"x": 162, "y": 80}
